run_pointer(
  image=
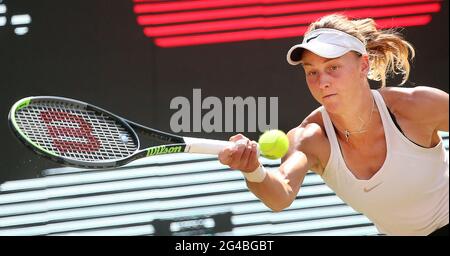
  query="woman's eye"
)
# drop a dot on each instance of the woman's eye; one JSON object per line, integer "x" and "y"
{"x": 312, "y": 73}
{"x": 334, "y": 68}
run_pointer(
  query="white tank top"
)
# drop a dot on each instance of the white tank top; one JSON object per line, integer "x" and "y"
{"x": 409, "y": 193}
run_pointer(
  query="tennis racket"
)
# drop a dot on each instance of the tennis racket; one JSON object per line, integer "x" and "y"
{"x": 76, "y": 133}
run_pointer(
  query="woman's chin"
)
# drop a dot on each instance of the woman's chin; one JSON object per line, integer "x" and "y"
{"x": 331, "y": 107}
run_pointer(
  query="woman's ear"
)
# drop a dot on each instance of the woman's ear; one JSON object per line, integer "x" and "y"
{"x": 365, "y": 66}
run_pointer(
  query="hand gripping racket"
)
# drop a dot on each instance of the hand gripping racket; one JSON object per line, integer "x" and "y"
{"x": 75, "y": 133}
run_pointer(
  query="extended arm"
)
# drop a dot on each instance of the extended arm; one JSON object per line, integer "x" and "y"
{"x": 278, "y": 189}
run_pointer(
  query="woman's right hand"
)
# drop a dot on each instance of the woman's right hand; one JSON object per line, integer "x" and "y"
{"x": 243, "y": 155}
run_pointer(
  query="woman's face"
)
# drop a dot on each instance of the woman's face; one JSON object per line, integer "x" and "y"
{"x": 335, "y": 82}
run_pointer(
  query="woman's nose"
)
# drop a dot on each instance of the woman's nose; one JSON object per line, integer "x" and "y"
{"x": 324, "y": 82}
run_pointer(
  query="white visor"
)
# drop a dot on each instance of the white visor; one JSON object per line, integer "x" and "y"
{"x": 325, "y": 42}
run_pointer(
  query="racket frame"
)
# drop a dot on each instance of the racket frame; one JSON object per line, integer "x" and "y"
{"x": 176, "y": 144}
{"x": 128, "y": 125}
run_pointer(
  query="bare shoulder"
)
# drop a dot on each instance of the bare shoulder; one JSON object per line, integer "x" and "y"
{"x": 408, "y": 100}
{"x": 311, "y": 139}
{"x": 311, "y": 128}
{"x": 420, "y": 105}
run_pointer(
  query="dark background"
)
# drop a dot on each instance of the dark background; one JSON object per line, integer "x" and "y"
{"x": 95, "y": 51}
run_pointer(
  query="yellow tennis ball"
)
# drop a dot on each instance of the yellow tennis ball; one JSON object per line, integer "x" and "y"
{"x": 273, "y": 144}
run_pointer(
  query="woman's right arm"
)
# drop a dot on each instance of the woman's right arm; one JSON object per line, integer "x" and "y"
{"x": 278, "y": 189}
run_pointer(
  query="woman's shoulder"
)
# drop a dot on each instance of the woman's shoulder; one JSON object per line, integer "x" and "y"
{"x": 409, "y": 100}
{"x": 312, "y": 125}
{"x": 310, "y": 138}
{"x": 396, "y": 97}
{"x": 310, "y": 133}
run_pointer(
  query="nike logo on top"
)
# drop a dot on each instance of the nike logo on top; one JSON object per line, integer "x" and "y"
{"x": 370, "y": 189}
{"x": 309, "y": 39}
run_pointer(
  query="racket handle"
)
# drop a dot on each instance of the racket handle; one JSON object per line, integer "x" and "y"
{"x": 205, "y": 146}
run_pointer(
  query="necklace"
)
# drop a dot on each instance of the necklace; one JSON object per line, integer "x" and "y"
{"x": 361, "y": 129}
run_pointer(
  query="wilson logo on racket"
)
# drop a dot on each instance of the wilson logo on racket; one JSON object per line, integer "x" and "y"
{"x": 65, "y": 136}
{"x": 160, "y": 150}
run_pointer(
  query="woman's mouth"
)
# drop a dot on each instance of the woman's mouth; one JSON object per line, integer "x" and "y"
{"x": 328, "y": 96}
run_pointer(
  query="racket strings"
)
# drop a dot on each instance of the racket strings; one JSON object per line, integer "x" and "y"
{"x": 71, "y": 131}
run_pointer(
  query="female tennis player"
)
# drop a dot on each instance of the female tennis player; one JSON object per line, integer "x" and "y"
{"x": 378, "y": 150}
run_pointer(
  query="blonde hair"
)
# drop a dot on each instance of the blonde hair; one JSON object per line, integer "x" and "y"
{"x": 388, "y": 51}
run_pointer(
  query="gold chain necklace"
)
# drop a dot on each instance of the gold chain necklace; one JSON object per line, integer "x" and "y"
{"x": 347, "y": 133}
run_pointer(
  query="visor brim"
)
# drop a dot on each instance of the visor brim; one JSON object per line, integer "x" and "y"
{"x": 324, "y": 50}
